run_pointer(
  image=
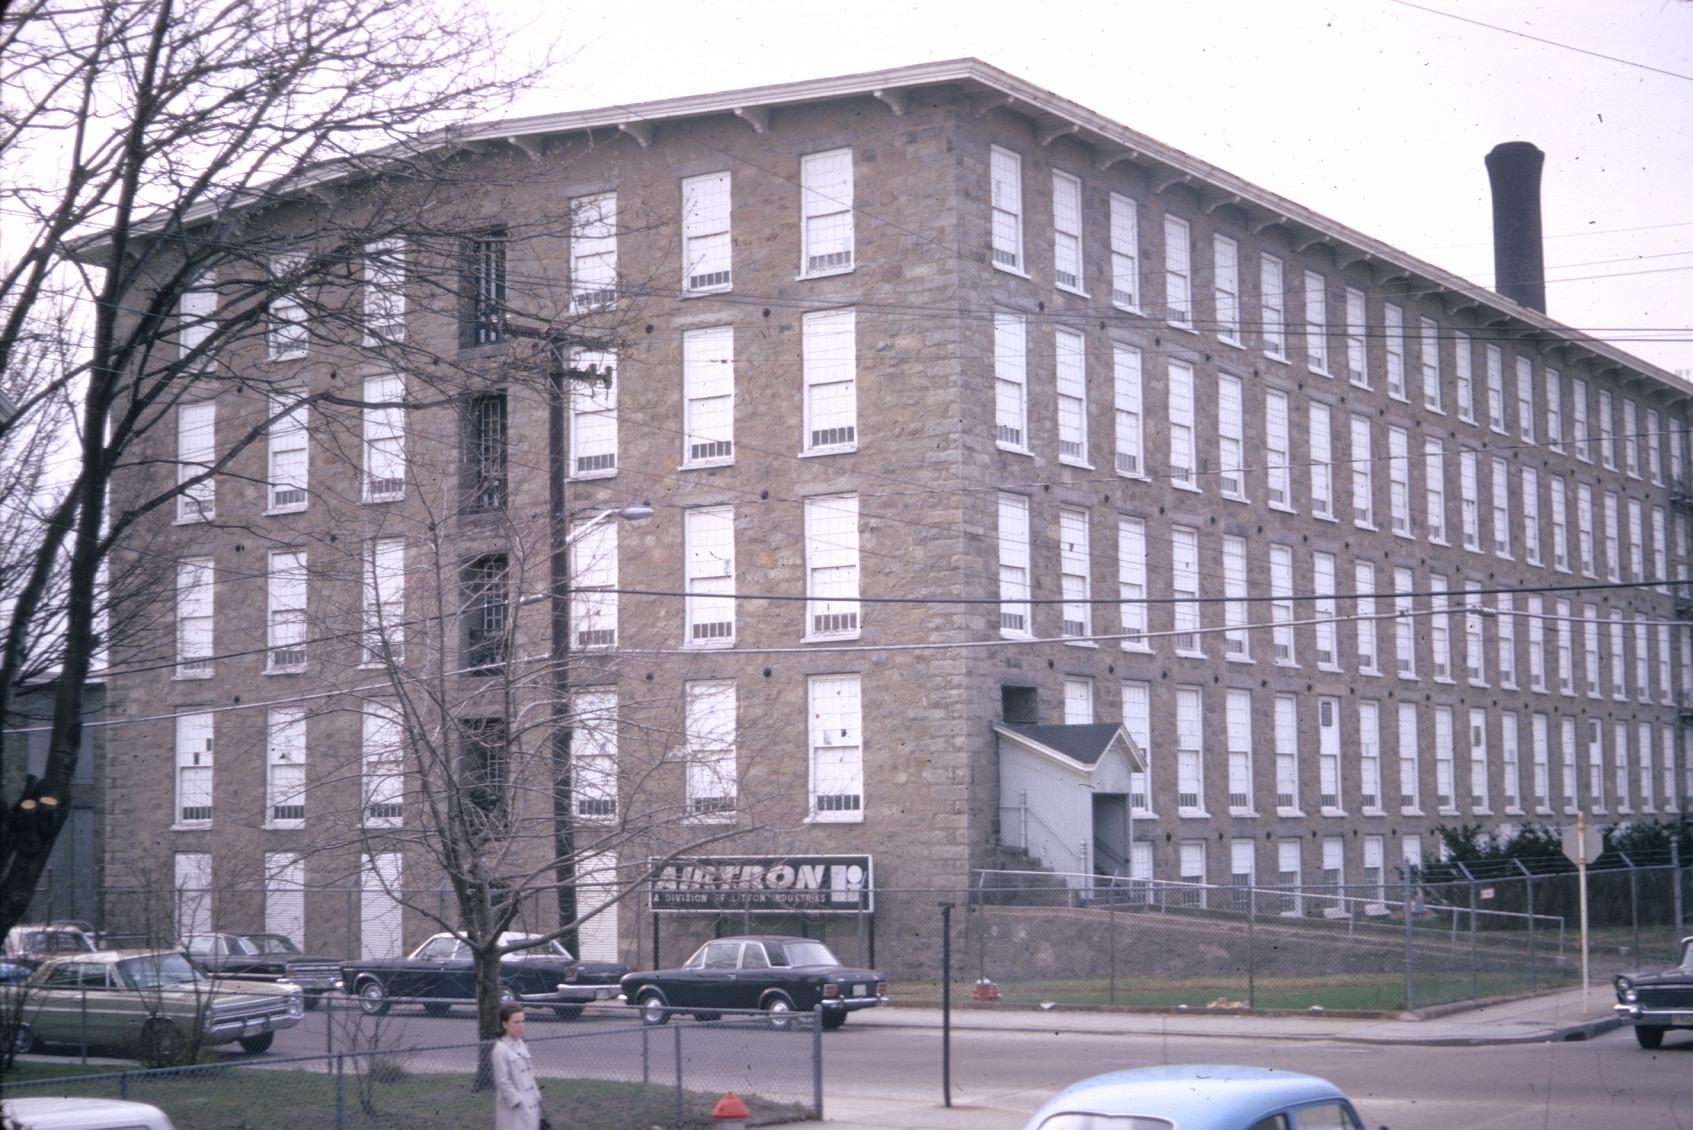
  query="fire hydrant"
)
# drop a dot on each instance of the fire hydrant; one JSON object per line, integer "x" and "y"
{"x": 730, "y": 1113}
{"x": 986, "y": 990}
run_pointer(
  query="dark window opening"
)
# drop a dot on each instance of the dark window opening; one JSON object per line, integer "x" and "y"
{"x": 483, "y": 764}
{"x": 1018, "y": 705}
{"x": 484, "y": 296}
{"x": 484, "y": 471}
{"x": 486, "y": 613}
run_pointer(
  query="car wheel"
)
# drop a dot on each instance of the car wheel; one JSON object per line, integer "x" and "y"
{"x": 568, "y": 1012}
{"x": 1649, "y": 1035}
{"x": 507, "y": 994}
{"x": 653, "y": 1009}
{"x": 833, "y": 1020}
{"x": 312, "y": 1001}
{"x": 23, "y": 1039}
{"x": 780, "y": 1010}
{"x": 254, "y": 1045}
{"x": 437, "y": 1010}
{"x": 373, "y": 998}
{"x": 162, "y": 1044}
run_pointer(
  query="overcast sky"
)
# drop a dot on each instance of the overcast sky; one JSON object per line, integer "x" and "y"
{"x": 1373, "y": 112}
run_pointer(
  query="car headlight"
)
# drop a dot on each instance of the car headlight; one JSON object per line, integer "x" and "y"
{"x": 296, "y": 1003}
{"x": 1626, "y": 992}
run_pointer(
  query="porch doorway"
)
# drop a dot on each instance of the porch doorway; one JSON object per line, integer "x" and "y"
{"x": 1110, "y": 834}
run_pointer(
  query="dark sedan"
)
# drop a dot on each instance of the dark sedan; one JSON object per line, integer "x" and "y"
{"x": 776, "y": 974}
{"x": 441, "y": 973}
{"x": 1657, "y": 1002}
{"x": 265, "y": 957}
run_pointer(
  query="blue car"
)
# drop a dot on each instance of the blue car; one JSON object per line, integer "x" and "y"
{"x": 1198, "y": 1096}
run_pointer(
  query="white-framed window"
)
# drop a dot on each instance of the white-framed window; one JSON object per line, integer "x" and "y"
{"x": 593, "y": 756}
{"x": 194, "y": 767}
{"x": 1242, "y": 867}
{"x": 1328, "y": 756}
{"x": 837, "y": 748}
{"x": 195, "y": 602}
{"x": 1596, "y": 765}
{"x": 384, "y": 422}
{"x": 1237, "y": 709}
{"x": 826, "y": 215}
{"x": 1631, "y": 438}
{"x": 1531, "y": 515}
{"x": 1607, "y": 439}
{"x": 1463, "y": 369}
{"x": 1014, "y": 618}
{"x": 285, "y": 611}
{"x": 1540, "y": 746}
{"x": 1182, "y": 450}
{"x": 1584, "y": 527}
{"x": 1363, "y": 476}
{"x": 1322, "y": 460}
{"x": 1642, "y": 660}
{"x": 1445, "y": 767}
{"x": 1125, "y": 253}
{"x": 285, "y": 768}
{"x": 196, "y": 317}
{"x": 1506, "y": 621}
{"x": 286, "y": 330}
{"x": 1316, "y": 324}
{"x": 710, "y": 736}
{"x": 1560, "y": 524}
{"x": 1620, "y": 762}
{"x": 593, "y": 251}
{"x": 1363, "y": 586}
{"x": 1272, "y": 306}
{"x": 1190, "y": 752}
{"x": 1287, "y": 755}
{"x": 1005, "y": 172}
{"x": 1178, "y": 273}
{"x": 1654, "y": 447}
{"x": 1184, "y": 588}
{"x": 1475, "y": 655}
{"x": 1191, "y": 864}
{"x": 285, "y": 894}
{"x": 1495, "y": 358}
{"x": 1356, "y": 328}
{"x": 1668, "y": 769}
{"x": 1225, "y": 287}
{"x": 1137, "y": 720}
{"x": 831, "y": 567}
{"x": 1578, "y": 420}
{"x": 831, "y": 388}
{"x": 1439, "y": 629}
{"x": 1369, "y": 756}
{"x": 1469, "y": 500}
{"x": 706, "y": 245}
{"x": 1500, "y": 482}
{"x": 1648, "y": 772}
{"x": 192, "y": 891}
{"x": 1393, "y": 331}
{"x": 1334, "y": 864}
{"x": 1636, "y": 541}
{"x": 1480, "y": 793}
{"x": 1131, "y": 581}
{"x": 1619, "y": 662}
{"x": 1428, "y": 356}
{"x": 286, "y": 451}
{"x": 1660, "y": 548}
{"x": 593, "y": 585}
{"x": 1070, "y": 369}
{"x": 1404, "y": 635}
{"x": 1231, "y": 437}
{"x": 1666, "y": 683}
{"x": 1078, "y": 701}
{"x": 1525, "y": 399}
{"x": 196, "y": 452}
{"x": 1281, "y": 605}
{"x": 1434, "y": 490}
{"x": 1236, "y": 612}
{"x": 1569, "y": 775}
{"x": 1011, "y": 382}
{"x": 1278, "y": 450}
{"x": 1537, "y": 643}
{"x": 1323, "y": 611}
{"x": 1410, "y": 772}
{"x": 1067, "y": 231}
{"x": 1375, "y": 876}
{"x": 1289, "y": 877}
{"x": 709, "y": 536}
{"x": 1074, "y": 559}
{"x": 1613, "y": 538}
{"x": 380, "y": 909}
{"x": 1590, "y": 648}
{"x": 383, "y": 602}
{"x": 1554, "y": 410}
{"x": 593, "y": 417}
{"x": 708, "y": 393}
{"x": 1399, "y": 481}
{"x": 1129, "y": 410}
{"x": 382, "y": 754}
{"x": 1677, "y": 429}
{"x": 385, "y": 292}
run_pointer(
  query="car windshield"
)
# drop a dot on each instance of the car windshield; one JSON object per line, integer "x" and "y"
{"x": 801, "y": 953}
{"x": 1071, "y": 1121}
{"x": 270, "y": 943}
{"x": 1687, "y": 956}
{"x": 57, "y": 941}
{"x": 535, "y": 949}
{"x": 158, "y": 971}
{"x": 236, "y": 945}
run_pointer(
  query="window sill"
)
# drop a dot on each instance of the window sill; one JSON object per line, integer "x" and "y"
{"x": 804, "y": 276}
{"x": 1435, "y": 408}
{"x": 1288, "y": 664}
{"x": 190, "y": 677}
{"x": 1398, "y": 396}
{"x": 1231, "y": 342}
{"x": 1135, "y": 310}
{"x": 385, "y": 822}
{"x": 834, "y": 817}
{"x": 1472, "y": 547}
{"x": 1073, "y": 461}
{"x": 1184, "y": 327}
{"x": 191, "y": 826}
{"x": 1135, "y": 648}
{"x": 1012, "y": 448}
{"x": 1412, "y": 811}
{"x": 1321, "y": 515}
{"x": 586, "y": 476}
{"x": 1188, "y": 653}
{"x": 1278, "y": 358}
{"x": 1408, "y": 677}
{"x": 1333, "y": 812}
{"x": 837, "y": 449}
{"x": 281, "y": 825}
{"x": 1371, "y": 673}
{"x": 1505, "y": 686}
{"x": 1503, "y": 555}
{"x": 1192, "y": 814}
{"x": 707, "y": 464}
{"x": 712, "y": 645}
{"x": 830, "y": 637}
{"x": 1405, "y": 535}
{"x": 1077, "y": 291}
{"x": 1513, "y": 810}
{"x": 274, "y": 511}
{"x": 1007, "y": 268}
{"x": 1136, "y": 476}
{"x": 1071, "y": 642}
{"x": 1367, "y": 525}
{"x": 1331, "y": 668}
{"x": 712, "y": 818}
{"x": 1244, "y": 813}
{"x": 705, "y": 292}
{"x": 1004, "y": 635}
{"x": 380, "y": 500}
{"x": 1234, "y": 497}
{"x": 1317, "y": 371}
{"x": 1243, "y": 660}
{"x": 195, "y": 520}
{"x": 293, "y": 355}
{"x": 1446, "y": 810}
{"x": 1480, "y": 811}
{"x": 1378, "y": 811}
{"x": 1463, "y": 419}
{"x": 284, "y": 671}
{"x": 1291, "y": 812}
{"x": 1284, "y": 508}
{"x": 1191, "y": 488}
{"x": 1143, "y": 814}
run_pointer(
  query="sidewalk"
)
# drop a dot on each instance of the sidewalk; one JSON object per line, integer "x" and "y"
{"x": 1549, "y": 1018}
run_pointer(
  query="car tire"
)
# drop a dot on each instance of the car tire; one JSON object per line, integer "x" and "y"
{"x": 1649, "y": 1036}
{"x": 437, "y": 1010}
{"x": 373, "y": 998}
{"x": 23, "y": 1039}
{"x": 162, "y": 1043}
{"x": 312, "y": 1001}
{"x": 256, "y": 1045}
{"x": 568, "y": 1012}
{"x": 654, "y": 1009}
{"x": 780, "y": 1010}
{"x": 833, "y": 1020}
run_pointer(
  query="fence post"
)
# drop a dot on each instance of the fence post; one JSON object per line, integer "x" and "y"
{"x": 1410, "y": 949}
{"x": 1111, "y": 926}
{"x": 817, "y": 1061}
{"x": 1475, "y": 974}
{"x": 946, "y": 1002}
{"x": 646, "y": 1055}
{"x": 340, "y": 1091}
{"x": 1634, "y": 908}
{"x": 1533, "y": 967}
{"x": 677, "y": 1029}
{"x": 84, "y": 1025}
{"x": 1251, "y": 947}
{"x": 1675, "y": 883}
{"x": 123, "y": 1085}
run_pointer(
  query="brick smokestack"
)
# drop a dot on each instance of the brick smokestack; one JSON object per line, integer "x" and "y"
{"x": 1519, "y": 261}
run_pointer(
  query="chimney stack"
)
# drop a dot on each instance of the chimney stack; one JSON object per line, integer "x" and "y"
{"x": 1519, "y": 262}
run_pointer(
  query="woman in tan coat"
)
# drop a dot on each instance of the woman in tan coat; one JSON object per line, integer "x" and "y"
{"x": 517, "y": 1097}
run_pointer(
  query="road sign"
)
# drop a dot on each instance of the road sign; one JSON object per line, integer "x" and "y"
{"x": 1583, "y": 845}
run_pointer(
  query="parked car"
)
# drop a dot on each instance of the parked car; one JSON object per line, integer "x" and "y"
{"x": 1654, "y": 1003}
{"x": 151, "y": 1002}
{"x": 440, "y": 973}
{"x": 69, "y": 1113}
{"x": 265, "y": 957}
{"x": 771, "y": 972}
{"x": 1198, "y": 1097}
{"x": 31, "y": 945}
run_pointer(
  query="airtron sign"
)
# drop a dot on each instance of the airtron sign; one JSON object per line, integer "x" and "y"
{"x": 764, "y": 884}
